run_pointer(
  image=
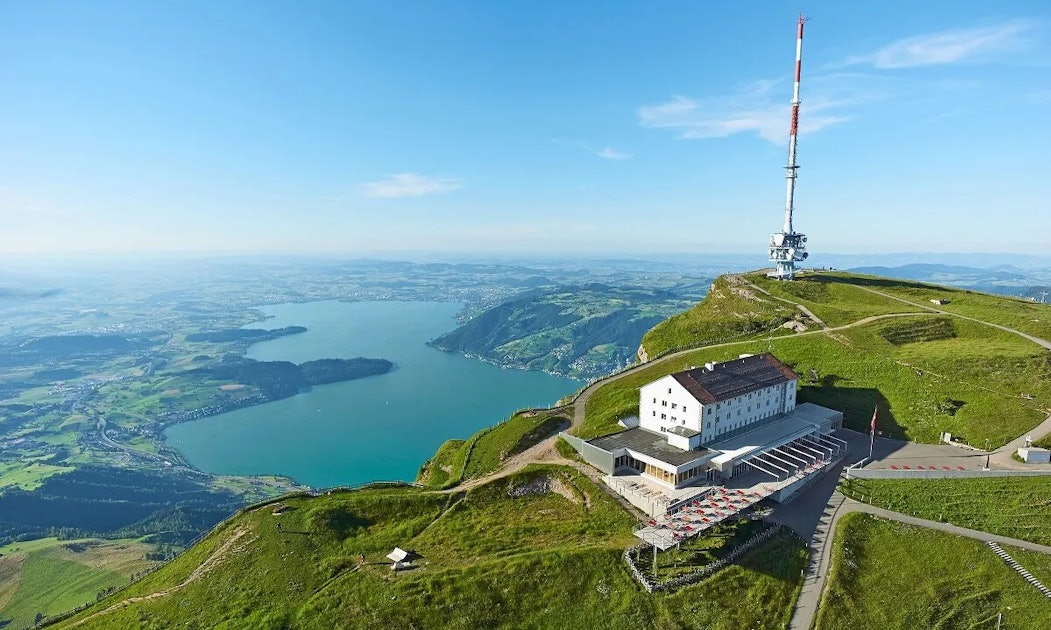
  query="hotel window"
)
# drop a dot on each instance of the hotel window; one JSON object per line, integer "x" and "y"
{"x": 664, "y": 403}
{"x": 669, "y": 390}
{"x": 654, "y": 414}
{"x": 655, "y": 401}
{"x": 674, "y": 405}
{"x": 664, "y": 416}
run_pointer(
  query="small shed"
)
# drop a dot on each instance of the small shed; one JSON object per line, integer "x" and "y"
{"x": 1033, "y": 455}
{"x": 402, "y": 558}
{"x": 940, "y": 302}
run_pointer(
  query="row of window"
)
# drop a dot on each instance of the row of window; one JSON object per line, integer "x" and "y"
{"x": 664, "y": 403}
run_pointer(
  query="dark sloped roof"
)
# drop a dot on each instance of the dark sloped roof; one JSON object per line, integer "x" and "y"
{"x": 649, "y": 443}
{"x": 730, "y": 379}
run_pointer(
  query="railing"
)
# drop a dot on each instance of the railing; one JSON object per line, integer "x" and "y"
{"x": 699, "y": 573}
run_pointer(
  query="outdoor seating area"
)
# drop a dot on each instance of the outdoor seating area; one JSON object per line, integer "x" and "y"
{"x": 669, "y": 529}
{"x": 648, "y": 496}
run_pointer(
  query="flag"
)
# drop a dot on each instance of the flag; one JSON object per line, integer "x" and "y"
{"x": 872, "y": 426}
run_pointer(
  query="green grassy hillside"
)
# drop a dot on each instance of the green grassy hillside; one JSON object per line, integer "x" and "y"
{"x": 1017, "y": 507}
{"x": 928, "y": 373}
{"x": 891, "y": 575}
{"x": 486, "y": 450}
{"x": 539, "y": 549}
{"x": 580, "y": 331}
{"x": 731, "y": 310}
{"x": 840, "y": 298}
{"x": 50, "y": 576}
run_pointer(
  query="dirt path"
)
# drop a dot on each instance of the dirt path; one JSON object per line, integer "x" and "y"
{"x": 817, "y": 320}
{"x": 1037, "y": 340}
{"x": 211, "y": 561}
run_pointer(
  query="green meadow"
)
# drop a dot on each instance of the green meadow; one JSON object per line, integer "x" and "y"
{"x": 886, "y": 574}
{"x": 540, "y": 549}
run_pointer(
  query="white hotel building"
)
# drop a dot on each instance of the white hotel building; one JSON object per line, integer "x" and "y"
{"x": 718, "y": 421}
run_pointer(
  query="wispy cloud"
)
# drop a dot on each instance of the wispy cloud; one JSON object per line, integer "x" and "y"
{"x": 409, "y": 185}
{"x": 607, "y": 153}
{"x": 749, "y": 109}
{"x": 946, "y": 47}
{"x": 610, "y": 153}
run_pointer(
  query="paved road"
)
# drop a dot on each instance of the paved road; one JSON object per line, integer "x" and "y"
{"x": 1001, "y": 458}
{"x": 838, "y": 505}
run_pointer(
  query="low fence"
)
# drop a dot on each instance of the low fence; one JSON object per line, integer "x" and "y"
{"x": 882, "y": 473}
{"x": 699, "y": 573}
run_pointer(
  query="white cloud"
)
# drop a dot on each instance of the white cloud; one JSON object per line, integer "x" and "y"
{"x": 748, "y": 109}
{"x": 610, "y": 153}
{"x": 945, "y": 47}
{"x": 409, "y": 185}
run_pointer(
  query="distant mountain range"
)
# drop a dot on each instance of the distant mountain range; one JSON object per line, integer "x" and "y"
{"x": 1001, "y": 279}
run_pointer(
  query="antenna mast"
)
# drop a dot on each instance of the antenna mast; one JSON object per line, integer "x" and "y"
{"x": 787, "y": 247}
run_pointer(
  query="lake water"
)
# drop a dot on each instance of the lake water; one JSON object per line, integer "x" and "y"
{"x": 381, "y": 427}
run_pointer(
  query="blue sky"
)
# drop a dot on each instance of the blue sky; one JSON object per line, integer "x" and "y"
{"x": 523, "y": 127}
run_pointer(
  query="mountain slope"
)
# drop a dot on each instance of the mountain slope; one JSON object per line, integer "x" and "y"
{"x": 579, "y": 331}
{"x": 730, "y": 310}
{"x": 539, "y": 549}
{"x": 927, "y": 371}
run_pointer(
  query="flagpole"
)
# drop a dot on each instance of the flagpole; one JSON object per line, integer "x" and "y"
{"x": 872, "y": 431}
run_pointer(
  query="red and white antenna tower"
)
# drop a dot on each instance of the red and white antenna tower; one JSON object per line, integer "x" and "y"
{"x": 788, "y": 247}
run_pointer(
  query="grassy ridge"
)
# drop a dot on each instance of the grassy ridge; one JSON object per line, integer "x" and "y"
{"x": 436, "y": 471}
{"x": 831, "y": 297}
{"x": 483, "y": 452}
{"x": 1028, "y": 317}
{"x": 886, "y": 574}
{"x": 539, "y": 549}
{"x": 729, "y": 311}
{"x": 1017, "y": 507}
{"x": 969, "y": 382}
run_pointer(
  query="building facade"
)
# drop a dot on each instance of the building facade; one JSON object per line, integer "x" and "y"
{"x": 718, "y": 421}
{"x": 718, "y": 399}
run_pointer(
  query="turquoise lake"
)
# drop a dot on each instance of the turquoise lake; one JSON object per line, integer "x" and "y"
{"x": 377, "y": 428}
